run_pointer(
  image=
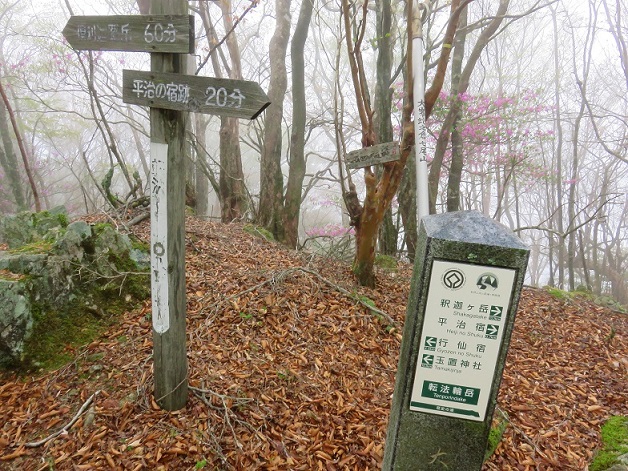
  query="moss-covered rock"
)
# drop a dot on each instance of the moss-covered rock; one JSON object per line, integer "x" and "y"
{"x": 71, "y": 273}
{"x": 26, "y": 227}
{"x": 16, "y": 322}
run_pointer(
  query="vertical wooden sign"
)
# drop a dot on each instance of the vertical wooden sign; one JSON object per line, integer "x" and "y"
{"x": 159, "y": 236}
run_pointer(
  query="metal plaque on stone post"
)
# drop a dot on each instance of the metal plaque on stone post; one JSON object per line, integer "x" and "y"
{"x": 467, "y": 279}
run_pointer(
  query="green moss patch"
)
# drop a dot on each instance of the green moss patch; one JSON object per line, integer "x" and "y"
{"x": 58, "y": 333}
{"x": 40, "y": 246}
{"x": 614, "y": 443}
{"x": 386, "y": 262}
{"x": 500, "y": 424}
{"x": 258, "y": 232}
{"x": 581, "y": 293}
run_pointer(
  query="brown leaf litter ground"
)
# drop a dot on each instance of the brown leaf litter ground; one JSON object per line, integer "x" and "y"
{"x": 290, "y": 372}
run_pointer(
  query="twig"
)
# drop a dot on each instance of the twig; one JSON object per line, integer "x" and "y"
{"x": 237, "y": 401}
{"x": 68, "y": 426}
{"x": 283, "y": 274}
{"x": 390, "y": 320}
{"x": 139, "y": 218}
{"x": 525, "y": 436}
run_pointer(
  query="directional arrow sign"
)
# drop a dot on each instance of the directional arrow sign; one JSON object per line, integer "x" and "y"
{"x": 491, "y": 331}
{"x": 430, "y": 343}
{"x": 141, "y": 33}
{"x": 495, "y": 313}
{"x": 224, "y": 97}
{"x": 377, "y": 154}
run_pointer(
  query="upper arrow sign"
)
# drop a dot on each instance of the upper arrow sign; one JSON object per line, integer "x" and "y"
{"x": 141, "y": 33}
{"x": 223, "y": 97}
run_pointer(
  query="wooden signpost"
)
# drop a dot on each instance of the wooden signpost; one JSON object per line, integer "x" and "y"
{"x": 377, "y": 154}
{"x": 234, "y": 98}
{"x": 139, "y": 33}
{"x": 168, "y": 34}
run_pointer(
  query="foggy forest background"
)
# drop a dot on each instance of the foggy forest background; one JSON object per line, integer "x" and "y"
{"x": 530, "y": 126}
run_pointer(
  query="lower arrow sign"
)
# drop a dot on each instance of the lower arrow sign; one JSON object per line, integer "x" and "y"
{"x": 491, "y": 331}
{"x": 223, "y": 97}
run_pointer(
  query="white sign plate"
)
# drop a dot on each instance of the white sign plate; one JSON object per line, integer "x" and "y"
{"x": 463, "y": 326}
{"x": 159, "y": 236}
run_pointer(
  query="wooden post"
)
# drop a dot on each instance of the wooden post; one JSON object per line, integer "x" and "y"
{"x": 167, "y": 32}
{"x": 167, "y": 136}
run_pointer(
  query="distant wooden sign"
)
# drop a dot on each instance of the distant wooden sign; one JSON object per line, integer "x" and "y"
{"x": 223, "y": 97}
{"x": 140, "y": 33}
{"x": 377, "y": 154}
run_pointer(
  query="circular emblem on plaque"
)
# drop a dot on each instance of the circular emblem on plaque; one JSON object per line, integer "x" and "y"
{"x": 158, "y": 249}
{"x": 453, "y": 279}
{"x": 488, "y": 282}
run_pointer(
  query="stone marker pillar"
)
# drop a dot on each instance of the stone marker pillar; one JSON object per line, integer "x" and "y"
{"x": 467, "y": 279}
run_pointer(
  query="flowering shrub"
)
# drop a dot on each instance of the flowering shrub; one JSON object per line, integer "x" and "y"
{"x": 330, "y": 230}
{"x": 498, "y": 133}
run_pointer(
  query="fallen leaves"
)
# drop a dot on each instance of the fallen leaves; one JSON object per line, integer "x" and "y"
{"x": 291, "y": 369}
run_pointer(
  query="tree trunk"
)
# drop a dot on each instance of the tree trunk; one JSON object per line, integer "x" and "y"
{"x": 296, "y": 172}
{"x": 455, "y": 169}
{"x": 9, "y": 163}
{"x": 465, "y": 76}
{"x": 201, "y": 182}
{"x": 380, "y": 191}
{"x": 20, "y": 143}
{"x": 232, "y": 188}
{"x": 383, "y": 111}
{"x": 271, "y": 177}
{"x": 407, "y": 206}
{"x": 457, "y": 155}
{"x": 232, "y": 192}
{"x": 558, "y": 157}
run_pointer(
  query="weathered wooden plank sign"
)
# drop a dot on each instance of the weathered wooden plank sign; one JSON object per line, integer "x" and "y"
{"x": 139, "y": 33}
{"x": 223, "y": 97}
{"x": 377, "y": 154}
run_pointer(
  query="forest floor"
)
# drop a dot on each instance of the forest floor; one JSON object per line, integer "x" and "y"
{"x": 290, "y": 372}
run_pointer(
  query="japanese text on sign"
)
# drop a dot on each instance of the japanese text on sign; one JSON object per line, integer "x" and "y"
{"x": 153, "y": 33}
{"x": 173, "y": 92}
{"x": 180, "y": 93}
{"x": 463, "y": 326}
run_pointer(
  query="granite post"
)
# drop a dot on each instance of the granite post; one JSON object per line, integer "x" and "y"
{"x": 467, "y": 279}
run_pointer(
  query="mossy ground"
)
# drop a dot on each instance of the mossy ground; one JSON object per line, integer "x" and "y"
{"x": 583, "y": 293}
{"x": 386, "y": 262}
{"x": 39, "y": 246}
{"x": 59, "y": 332}
{"x": 258, "y": 231}
{"x": 614, "y": 443}
{"x": 500, "y": 424}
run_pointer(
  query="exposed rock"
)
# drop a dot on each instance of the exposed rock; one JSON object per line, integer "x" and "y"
{"x": 16, "y": 320}
{"x": 56, "y": 264}
{"x": 26, "y": 228}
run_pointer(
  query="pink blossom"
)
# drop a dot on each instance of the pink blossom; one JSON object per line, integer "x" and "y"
{"x": 330, "y": 230}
